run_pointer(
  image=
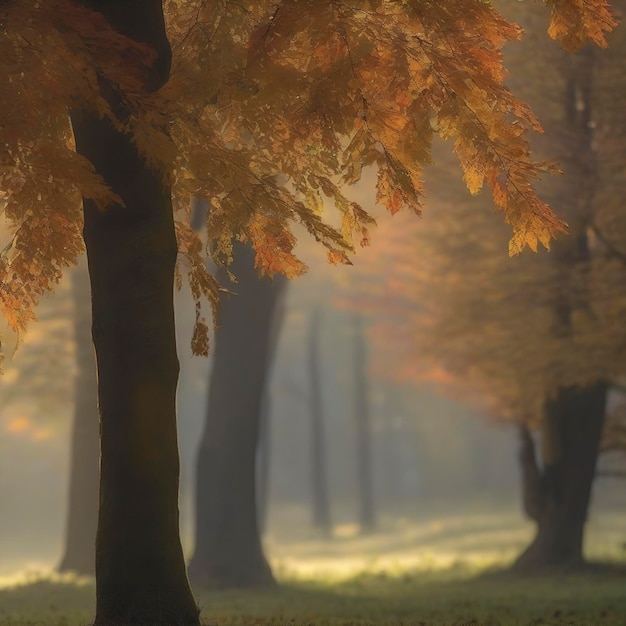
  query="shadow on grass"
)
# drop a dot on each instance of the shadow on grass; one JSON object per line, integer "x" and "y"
{"x": 455, "y": 596}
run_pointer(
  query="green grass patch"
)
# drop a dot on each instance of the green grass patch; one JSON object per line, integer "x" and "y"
{"x": 455, "y": 596}
{"x": 410, "y": 572}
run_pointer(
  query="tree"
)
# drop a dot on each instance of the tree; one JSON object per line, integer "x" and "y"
{"x": 228, "y": 550}
{"x": 535, "y": 341}
{"x": 319, "y": 483}
{"x": 260, "y": 94}
{"x": 263, "y": 463}
{"x": 573, "y": 415}
{"x": 80, "y": 539}
{"x": 367, "y": 515}
{"x": 131, "y": 251}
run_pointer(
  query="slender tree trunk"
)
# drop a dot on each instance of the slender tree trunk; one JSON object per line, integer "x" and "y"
{"x": 263, "y": 462}
{"x": 319, "y": 483}
{"x": 131, "y": 251}
{"x": 367, "y": 515}
{"x": 228, "y": 546}
{"x": 560, "y": 491}
{"x": 80, "y": 541}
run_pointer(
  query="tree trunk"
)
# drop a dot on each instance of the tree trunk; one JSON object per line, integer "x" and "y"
{"x": 562, "y": 491}
{"x": 319, "y": 484}
{"x": 228, "y": 546}
{"x": 263, "y": 462}
{"x": 574, "y": 417}
{"x": 367, "y": 515}
{"x": 131, "y": 251}
{"x": 80, "y": 541}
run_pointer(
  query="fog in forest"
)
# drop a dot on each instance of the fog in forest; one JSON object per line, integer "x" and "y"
{"x": 445, "y": 486}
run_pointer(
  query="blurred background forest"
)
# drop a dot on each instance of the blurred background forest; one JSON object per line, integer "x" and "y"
{"x": 445, "y": 479}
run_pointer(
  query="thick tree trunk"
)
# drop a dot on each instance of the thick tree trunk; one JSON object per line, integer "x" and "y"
{"x": 131, "y": 251}
{"x": 319, "y": 483}
{"x": 80, "y": 541}
{"x": 228, "y": 549}
{"x": 561, "y": 492}
{"x": 367, "y": 515}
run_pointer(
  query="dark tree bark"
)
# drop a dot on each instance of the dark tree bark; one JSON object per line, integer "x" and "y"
{"x": 534, "y": 496}
{"x": 557, "y": 495}
{"x": 319, "y": 483}
{"x": 131, "y": 251}
{"x": 367, "y": 515}
{"x": 80, "y": 540}
{"x": 228, "y": 549}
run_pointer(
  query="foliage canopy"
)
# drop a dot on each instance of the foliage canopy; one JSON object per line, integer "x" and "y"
{"x": 491, "y": 329}
{"x": 272, "y": 107}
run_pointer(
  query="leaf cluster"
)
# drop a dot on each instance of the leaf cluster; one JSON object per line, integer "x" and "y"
{"x": 54, "y": 56}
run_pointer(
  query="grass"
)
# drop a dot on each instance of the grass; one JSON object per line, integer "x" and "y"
{"x": 453, "y": 596}
{"x": 435, "y": 570}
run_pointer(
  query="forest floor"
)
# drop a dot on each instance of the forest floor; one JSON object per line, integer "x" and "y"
{"x": 472, "y": 536}
{"x": 441, "y": 569}
{"x": 452, "y": 597}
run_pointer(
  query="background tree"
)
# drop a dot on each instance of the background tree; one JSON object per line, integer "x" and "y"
{"x": 260, "y": 94}
{"x": 82, "y": 518}
{"x": 534, "y": 339}
{"x": 228, "y": 551}
{"x": 573, "y": 415}
{"x": 319, "y": 458}
{"x": 363, "y": 439}
{"x": 263, "y": 460}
